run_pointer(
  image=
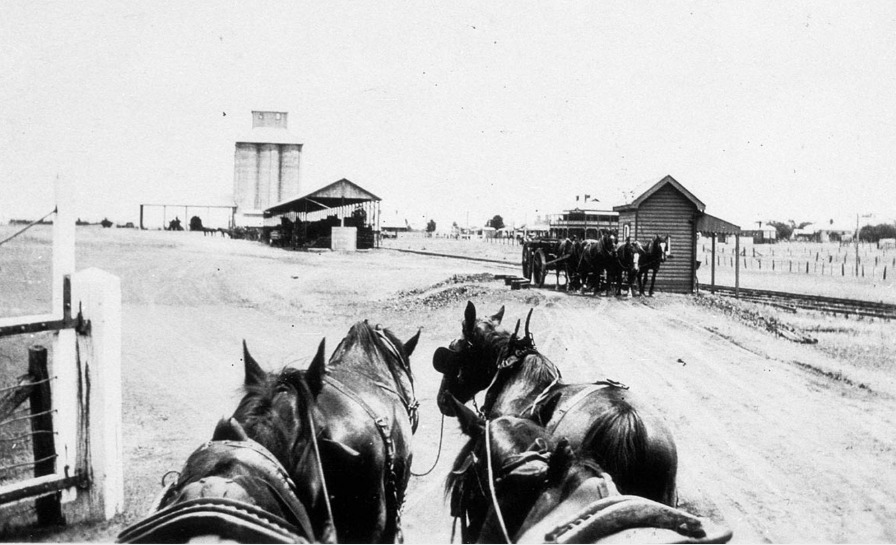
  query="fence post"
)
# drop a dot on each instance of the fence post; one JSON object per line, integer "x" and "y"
{"x": 97, "y": 294}
{"x": 43, "y": 445}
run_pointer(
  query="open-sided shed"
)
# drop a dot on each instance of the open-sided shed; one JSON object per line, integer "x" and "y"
{"x": 669, "y": 209}
{"x": 340, "y": 198}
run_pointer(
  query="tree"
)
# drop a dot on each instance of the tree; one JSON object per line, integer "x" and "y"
{"x": 431, "y": 226}
{"x": 497, "y": 222}
{"x": 784, "y": 229}
{"x": 873, "y": 233}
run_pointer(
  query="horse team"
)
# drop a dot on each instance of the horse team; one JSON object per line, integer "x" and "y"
{"x": 324, "y": 454}
{"x": 597, "y": 264}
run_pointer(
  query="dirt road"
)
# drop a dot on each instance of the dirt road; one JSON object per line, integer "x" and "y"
{"x": 771, "y": 439}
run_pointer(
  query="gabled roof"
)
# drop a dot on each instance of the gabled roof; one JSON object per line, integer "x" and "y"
{"x": 635, "y": 204}
{"x": 339, "y": 193}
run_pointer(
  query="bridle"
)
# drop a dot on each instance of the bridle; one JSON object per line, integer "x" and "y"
{"x": 504, "y": 472}
{"x": 408, "y": 397}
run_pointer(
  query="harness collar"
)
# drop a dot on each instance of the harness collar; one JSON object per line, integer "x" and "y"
{"x": 224, "y": 514}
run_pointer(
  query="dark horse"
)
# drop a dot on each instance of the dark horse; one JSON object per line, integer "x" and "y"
{"x": 352, "y": 419}
{"x": 231, "y": 489}
{"x": 570, "y": 251}
{"x": 625, "y": 269}
{"x": 649, "y": 258}
{"x": 603, "y": 420}
{"x": 597, "y": 256}
{"x": 512, "y": 482}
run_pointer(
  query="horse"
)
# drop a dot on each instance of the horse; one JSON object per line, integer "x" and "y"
{"x": 230, "y": 489}
{"x": 597, "y": 256}
{"x": 571, "y": 251}
{"x": 513, "y": 482}
{"x": 603, "y": 419}
{"x": 625, "y": 269}
{"x": 650, "y": 257}
{"x": 356, "y": 413}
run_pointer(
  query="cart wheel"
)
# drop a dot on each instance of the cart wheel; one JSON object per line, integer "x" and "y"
{"x": 527, "y": 262}
{"x": 539, "y": 268}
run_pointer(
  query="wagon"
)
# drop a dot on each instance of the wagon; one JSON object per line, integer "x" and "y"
{"x": 541, "y": 256}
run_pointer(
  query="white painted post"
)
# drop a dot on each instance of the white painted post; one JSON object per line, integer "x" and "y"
{"x": 98, "y": 295}
{"x": 63, "y": 368}
{"x": 63, "y": 240}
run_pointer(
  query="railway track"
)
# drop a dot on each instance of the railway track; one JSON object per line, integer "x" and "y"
{"x": 795, "y": 301}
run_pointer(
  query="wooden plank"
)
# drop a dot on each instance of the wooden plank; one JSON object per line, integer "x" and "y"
{"x": 36, "y": 487}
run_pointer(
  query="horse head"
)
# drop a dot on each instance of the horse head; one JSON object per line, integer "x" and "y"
{"x": 366, "y": 344}
{"x": 279, "y": 412}
{"x": 514, "y": 462}
{"x": 469, "y": 363}
{"x": 660, "y": 248}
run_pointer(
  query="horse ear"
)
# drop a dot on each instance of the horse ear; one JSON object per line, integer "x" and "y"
{"x": 470, "y": 314}
{"x": 411, "y": 343}
{"x": 254, "y": 374}
{"x": 229, "y": 429}
{"x": 318, "y": 369}
{"x": 498, "y": 316}
{"x": 469, "y": 420}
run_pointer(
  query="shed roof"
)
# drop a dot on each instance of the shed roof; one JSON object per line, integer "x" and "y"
{"x": 711, "y": 224}
{"x": 339, "y": 193}
{"x": 668, "y": 180}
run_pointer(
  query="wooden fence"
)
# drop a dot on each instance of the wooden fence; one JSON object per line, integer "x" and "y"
{"x": 75, "y": 399}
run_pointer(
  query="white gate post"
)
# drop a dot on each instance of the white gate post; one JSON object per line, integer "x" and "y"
{"x": 97, "y": 294}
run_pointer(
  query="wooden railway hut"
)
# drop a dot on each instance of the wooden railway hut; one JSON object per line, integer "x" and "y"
{"x": 667, "y": 208}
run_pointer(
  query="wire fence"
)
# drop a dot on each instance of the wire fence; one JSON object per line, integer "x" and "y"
{"x": 26, "y": 429}
{"x": 865, "y": 261}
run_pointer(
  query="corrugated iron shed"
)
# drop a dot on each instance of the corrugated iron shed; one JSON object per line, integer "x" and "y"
{"x": 339, "y": 193}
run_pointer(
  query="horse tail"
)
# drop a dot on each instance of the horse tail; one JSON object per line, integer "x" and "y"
{"x": 620, "y": 442}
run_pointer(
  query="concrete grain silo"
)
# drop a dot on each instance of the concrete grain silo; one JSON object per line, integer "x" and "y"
{"x": 266, "y": 167}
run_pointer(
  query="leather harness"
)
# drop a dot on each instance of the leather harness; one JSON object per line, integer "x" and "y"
{"x": 233, "y": 519}
{"x": 411, "y": 405}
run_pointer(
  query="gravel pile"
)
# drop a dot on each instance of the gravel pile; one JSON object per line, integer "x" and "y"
{"x": 450, "y": 292}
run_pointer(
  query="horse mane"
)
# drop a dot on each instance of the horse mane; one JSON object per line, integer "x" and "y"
{"x": 368, "y": 338}
{"x": 538, "y": 368}
{"x": 617, "y": 438}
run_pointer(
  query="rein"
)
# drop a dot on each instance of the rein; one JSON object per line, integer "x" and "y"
{"x": 491, "y": 480}
{"x": 330, "y": 531}
{"x": 438, "y": 452}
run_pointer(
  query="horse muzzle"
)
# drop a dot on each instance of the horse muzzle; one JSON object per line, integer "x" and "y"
{"x": 445, "y": 360}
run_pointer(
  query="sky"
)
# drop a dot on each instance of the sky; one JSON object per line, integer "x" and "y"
{"x": 457, "y": 111}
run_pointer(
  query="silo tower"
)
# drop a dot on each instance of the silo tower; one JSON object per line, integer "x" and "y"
{"x": 265, "y": 167}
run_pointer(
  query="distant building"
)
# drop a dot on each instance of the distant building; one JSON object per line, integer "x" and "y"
{"x": 265, "y": 167}
{"x": 824, "y": 232}
{"x": 763, "y": 234}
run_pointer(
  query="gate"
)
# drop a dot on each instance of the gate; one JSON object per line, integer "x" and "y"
{"x": 73, "y": 418}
